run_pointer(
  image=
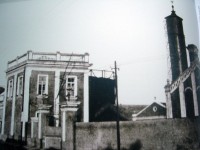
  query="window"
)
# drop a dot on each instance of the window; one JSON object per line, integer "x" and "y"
{"x": 71, "y": 86}
{"x": 10, "y": 88}
{"x": 20, "y": 85}
{"x": 155, "y": 108}
{"x": 42, "y": 84}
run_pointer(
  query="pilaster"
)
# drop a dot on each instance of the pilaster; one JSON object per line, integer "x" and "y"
{"x": 68, "y": 120}
{"x": 42, "y": 112}
{"x": 56, "y": 96}
{"x": 25, "y": 113}
{"x": 86, "y": 98}
{"x": 182, "y": 100}
{"x": 168, "y": 101}
{"x": 194, "y": 90}
{"x": 13, "y": 105}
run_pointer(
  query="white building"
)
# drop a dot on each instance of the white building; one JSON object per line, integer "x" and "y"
{"x": 37, "y": 78}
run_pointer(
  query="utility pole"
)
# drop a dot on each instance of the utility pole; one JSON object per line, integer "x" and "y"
{"x": 116, "y": 98}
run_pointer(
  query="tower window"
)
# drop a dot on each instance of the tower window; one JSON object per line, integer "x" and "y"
{"x": 42, "y": 84}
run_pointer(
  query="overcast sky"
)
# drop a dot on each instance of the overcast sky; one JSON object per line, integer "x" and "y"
{"x": 132, "y": 32}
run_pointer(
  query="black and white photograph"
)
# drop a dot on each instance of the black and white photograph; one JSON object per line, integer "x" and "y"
{"x": 99, "y": 74}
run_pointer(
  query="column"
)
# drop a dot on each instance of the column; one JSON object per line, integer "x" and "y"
{"x": 25, "y": 112}
{"x": 63, "y": 126}
{"x": 182, "y": 100}
{"x": 39, "y": 126}
{"x": 194, "y": 90}
{"x": 168, "y": 101}
{"x": 68, "y": 119}
{"x": 13, "y": 105}
{"x": 42, "y": 124}
{"x": 56, "y": 96}
{"x": 86, "y": 98}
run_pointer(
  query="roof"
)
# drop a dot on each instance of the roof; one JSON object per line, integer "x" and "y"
{"x": 163, "y": 105}
{"x": 127, "y": 110}
{"x": 173, "y": 14}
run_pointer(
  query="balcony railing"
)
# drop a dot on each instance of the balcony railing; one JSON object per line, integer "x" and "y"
{"x": 40, "y": 56}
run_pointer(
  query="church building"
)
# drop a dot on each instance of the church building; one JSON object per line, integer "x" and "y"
{"x": 183, "y": 89}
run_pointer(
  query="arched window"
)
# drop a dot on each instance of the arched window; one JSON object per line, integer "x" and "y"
{"x": 189, "y": 102}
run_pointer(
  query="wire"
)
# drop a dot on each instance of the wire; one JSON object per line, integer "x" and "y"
{"x": 62, "y": 83}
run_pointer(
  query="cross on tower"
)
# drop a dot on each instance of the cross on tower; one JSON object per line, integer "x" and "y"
{"x": 172, "y": 5}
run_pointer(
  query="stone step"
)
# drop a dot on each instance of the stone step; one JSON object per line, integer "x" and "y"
{"x": 52, "y": 142}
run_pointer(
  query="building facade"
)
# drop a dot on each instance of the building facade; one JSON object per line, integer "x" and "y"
{"x": 155, "y": 110}
{"x": 36, "y": 79}
{"x": 182, "y": 90}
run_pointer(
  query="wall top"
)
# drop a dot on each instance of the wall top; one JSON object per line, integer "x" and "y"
{"x": 49, "y": 57}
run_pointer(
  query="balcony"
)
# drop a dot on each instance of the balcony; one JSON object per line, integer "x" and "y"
{"x": 48, "y": 57}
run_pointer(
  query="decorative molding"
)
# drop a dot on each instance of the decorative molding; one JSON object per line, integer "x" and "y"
{"x": 186, "y": 74}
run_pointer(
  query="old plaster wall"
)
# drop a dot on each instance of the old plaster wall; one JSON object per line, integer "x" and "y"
{"x": 8, "y": 111}
{"x": 8, "y": 114}
{"x": 34, "y": 99}
{"x": 162, "y": 134}
{"x": 18, "y": 110}
{"x": 80, "y": 85}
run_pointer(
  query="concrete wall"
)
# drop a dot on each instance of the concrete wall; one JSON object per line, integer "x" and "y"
{"x": 150, "y": 135}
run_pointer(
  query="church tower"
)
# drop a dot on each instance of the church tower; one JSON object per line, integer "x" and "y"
{"x": 177, "y": 46}
{"x": 182, "y": 91}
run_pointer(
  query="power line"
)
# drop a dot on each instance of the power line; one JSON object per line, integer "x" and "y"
{"x": 62, "y": 78}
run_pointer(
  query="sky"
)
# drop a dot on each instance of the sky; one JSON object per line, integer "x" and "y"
{"x": 130, "y": 32}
